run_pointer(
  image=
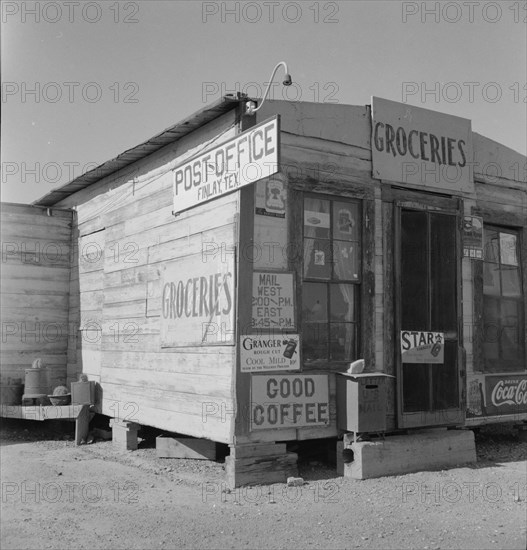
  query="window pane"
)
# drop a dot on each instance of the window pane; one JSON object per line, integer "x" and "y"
{"x": 314, "y": 303}
{"x": 491, "y": 245}
{"x": 317, "y": 259}
{"x": 508, "y": 249}
{"x": 510, "y": 281}
{"x": 511, "y": 330}
{"x": 491, "y": 279}
{"x": 346, "y": 221}
{"x": 491, "y": 327}
{"x": 342, "y": 302}
{"x": 342, "y": 341}
{"x": 314, "y": 342}
{"x": 346, "y": 258}
{"x": 316, "y": 218}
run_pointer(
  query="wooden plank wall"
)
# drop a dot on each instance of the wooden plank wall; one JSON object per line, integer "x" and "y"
{"x": 126, "y": 233}
{"x": 325, "y": 148}
{"x": 34, "y": 290}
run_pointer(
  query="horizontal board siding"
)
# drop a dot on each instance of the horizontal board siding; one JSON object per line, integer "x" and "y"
{"x": 131, "y": 234}
{"x": 36, "y": 257}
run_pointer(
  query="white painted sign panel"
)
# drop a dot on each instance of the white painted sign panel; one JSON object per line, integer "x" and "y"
{"x": 242, "y": 160}
{"x": 289, "y": 401}
{"x": 269, "y": 352}
{"x": 197, "y": 301}
{"x": 418, "y": 346}
{"x": 421, "y": 147}
{"x": 273, "y": 300}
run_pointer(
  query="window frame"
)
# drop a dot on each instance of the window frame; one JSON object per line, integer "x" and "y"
{"x": 493, "y": 365}
{"x": 332, "y": 281}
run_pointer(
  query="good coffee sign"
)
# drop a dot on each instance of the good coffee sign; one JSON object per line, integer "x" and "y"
{"x": 506, "y": 394}
{"x": 421, "y": 147}
{"x": 289, "y": 401}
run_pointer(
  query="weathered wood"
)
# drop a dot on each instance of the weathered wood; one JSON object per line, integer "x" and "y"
{"x": 260, "y": 469}
{"x": 35, "y": 287}
{"x": 185, "y": 447}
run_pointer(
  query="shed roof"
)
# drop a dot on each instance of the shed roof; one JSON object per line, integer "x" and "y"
{"x": 171, "y": 134}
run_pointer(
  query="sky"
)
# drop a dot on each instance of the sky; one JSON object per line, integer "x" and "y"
{"x": 84, "y": 81}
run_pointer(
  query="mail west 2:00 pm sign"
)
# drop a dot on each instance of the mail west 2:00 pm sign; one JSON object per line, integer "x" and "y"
{"x": 244, "y": 159}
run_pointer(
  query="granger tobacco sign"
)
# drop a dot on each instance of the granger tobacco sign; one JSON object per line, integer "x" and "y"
{"x": 421, "y": 147}
{"x": 289, "y": 401}
{"x": 269, "y": 352}
{"x": 197, "y": 305}
{"x": 247, "y": 158}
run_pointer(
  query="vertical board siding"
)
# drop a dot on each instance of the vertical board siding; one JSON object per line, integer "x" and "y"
{"x": 36, "y": 251}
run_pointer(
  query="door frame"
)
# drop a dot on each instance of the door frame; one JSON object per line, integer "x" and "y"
{"x": 440, "y": 205}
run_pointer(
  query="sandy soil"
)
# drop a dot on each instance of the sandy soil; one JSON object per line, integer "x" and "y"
{"x": 57, "y": 495}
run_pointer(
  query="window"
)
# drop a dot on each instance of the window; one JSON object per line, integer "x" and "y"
{"x": 503, "y": 323}
{"x": 331, "y": 277}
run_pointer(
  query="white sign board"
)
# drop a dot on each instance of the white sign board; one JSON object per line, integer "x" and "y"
{"x": 197, "y": 301}
{"x": 289, "y": 401}
{"x": 273, "y": 304}
{"x": 421, "y": 147}
{"x": 269, "y": 352}
{"x": 244, "y": 159}
{"x": 418, "y": 346}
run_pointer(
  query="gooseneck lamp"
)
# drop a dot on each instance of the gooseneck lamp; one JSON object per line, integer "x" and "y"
{"x": 250, "y": 107}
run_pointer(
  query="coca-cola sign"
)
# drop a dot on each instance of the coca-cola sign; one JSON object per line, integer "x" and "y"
{"x": 506, "y": 394}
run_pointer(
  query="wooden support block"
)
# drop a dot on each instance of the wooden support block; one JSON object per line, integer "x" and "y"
{"x": 185, "y": 447}
{"x": 264, "y": 449}
{"x": 416, "y": 452}
{"x": 262, "y": 467}
{"x": 124, "y": 434}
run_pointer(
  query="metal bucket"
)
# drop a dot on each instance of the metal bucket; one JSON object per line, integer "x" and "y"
{"x": 36, "y": 382}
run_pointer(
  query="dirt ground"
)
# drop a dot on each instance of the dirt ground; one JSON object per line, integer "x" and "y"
{"x": 56, "y": 495}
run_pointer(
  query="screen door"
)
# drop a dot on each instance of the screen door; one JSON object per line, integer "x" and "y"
{"x": 428, "y": 304}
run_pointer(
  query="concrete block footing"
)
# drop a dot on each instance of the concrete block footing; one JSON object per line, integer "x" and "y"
{"x": 403, "y": 454}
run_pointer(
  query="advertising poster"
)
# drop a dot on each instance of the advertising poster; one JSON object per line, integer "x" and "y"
{"x": 473, "y": 237}
{"x": 269, "y": 352}
{"x": 422, "y": 346}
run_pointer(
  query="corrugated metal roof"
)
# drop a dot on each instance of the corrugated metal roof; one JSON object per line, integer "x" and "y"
{"x": 182, "y": 128}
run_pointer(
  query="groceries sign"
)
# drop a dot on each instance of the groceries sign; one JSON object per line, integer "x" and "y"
{"x": 421, "y": 147}
{"x": 249, "y": 157}
{"x": 197, "y": 306}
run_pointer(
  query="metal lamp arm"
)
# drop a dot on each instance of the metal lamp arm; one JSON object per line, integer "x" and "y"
{"x": 287, "y": 82}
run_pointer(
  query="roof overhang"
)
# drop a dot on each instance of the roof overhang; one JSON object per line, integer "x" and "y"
{"x": 171, "y": 134}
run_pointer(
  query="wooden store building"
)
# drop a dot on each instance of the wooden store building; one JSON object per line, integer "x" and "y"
{"x": 218, "y": 280}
